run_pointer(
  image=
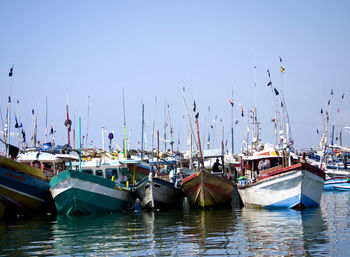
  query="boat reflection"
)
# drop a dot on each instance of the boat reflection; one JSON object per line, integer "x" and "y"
{"x": 283, "y": 232}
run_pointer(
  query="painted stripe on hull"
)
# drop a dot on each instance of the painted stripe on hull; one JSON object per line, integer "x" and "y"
{"x": 75, "y": 201}
{"x": 285, "y": 191}
{"x": 75, "y": 195}
{"x": 23, "y": 192}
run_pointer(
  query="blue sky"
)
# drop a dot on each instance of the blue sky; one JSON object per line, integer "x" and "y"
{"x": 151, "y": 49}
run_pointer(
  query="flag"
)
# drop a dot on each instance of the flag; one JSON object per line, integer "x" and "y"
{"x": 342, "y": 97}
{"x": 51, "y": 130}
{"x": 329, "y": 101}
{"x": 276, "y": 91}
{"x": 194, "y": 106}
{"x": 281, "y": 104}
{"x": 236, "y": 122}
{"x": 331, "y": 91}
{"x": 280, "y": 59}
{"x": 16, "y": 125}
{"x": 269, "y": 84}
{"x": 268, "y": 72}
{"x": 23, "y": 135}
{"x": 11, "y": 72}
{"x": 317, "y": 131}
{"x": 282, "y": 69}
{"x": 242, "y": 113}
{"x": 321, "y": 111}
{"x": 9, "y": 99}
{"x": 32, "y": 111}
{"x": 197, "y": 115}
{"x": 230, "y": 102}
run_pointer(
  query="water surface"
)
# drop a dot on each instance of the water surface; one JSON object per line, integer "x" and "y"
{"x": 323, "y": 231}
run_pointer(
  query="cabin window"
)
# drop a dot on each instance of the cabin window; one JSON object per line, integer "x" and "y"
{"x": 59, "y": 166}
{"x": 87, "y": 171}
{"x": 37, "y": 164}
{"x": 99, "y": 173}
{"x": 48, "y": 166}
{"x": 112, "y": 172}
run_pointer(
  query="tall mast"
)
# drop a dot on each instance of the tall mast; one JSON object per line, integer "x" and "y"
{"x": 143, "y": 125}
{"x": 9, "y": 111}
{"x": 87, "y": 123}
{"x": 285, "y": 112}
{"x": 125, "y": 142}
{"x": 68, "y": 121}
{"x": 232, "y": 136}
{"x": 46, "y": 119}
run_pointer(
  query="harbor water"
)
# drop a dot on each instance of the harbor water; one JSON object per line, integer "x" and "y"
{"x": 235, "y": 231}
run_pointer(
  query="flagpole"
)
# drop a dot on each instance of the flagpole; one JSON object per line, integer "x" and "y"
{"x": 9, "y": 113}
{"x": 125, "y": 143}
{"x": 46, "y": 123}
{"x": 233, "y": 147}
{"x": 68, "y": 122}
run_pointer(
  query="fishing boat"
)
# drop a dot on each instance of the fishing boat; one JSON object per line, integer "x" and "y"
{"x": 24, "y": 190}
{"x": 24, "y": 183}
{"x": 204, "y": 189}
{"x": 159, "y": 191}
{"x": 268, "y": 184}
{"x": 95, "y": 189}
{"x": 330, "y": 183}
{"x": 342, "y": 187}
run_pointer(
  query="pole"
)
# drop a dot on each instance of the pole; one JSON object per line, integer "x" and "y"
{"x": 46, "y": 122}
{"x": 157, "y": 151}
{"x": 143, "y": 124}
{"x": 125, "y": 142}
{"x": 233, "y": 145}
{"x": 103, "y": 139}
{"x": 68, "y": 122}
{"x": 199, "y": 143}
{"x": 79, "y": 143}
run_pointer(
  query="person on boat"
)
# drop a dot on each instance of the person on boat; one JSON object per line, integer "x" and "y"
{"x": 215, "y": 167}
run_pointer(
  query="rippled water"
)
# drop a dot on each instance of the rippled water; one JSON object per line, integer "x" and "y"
{"x": 324, "y": 231}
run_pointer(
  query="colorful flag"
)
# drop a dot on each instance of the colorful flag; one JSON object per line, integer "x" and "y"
{"x": 230, "y": 102}
{"x": 282, "y": 69}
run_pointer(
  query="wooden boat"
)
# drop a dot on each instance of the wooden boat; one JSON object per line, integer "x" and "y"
{"x": 330, "y": 183}
{"x": 77, "y": 193}
{"x": 157, "y": 193}
{"x": 342, "y": 187}
{"x": 24, "y": 189}
{"x": 24, "y": 183}
{"x": 297, "y": 186}
{"x": 204, "y": 189}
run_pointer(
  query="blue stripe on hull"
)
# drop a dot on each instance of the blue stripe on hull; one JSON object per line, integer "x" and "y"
{"x": 26, "y": 184}
{"x": 294, "y": 201}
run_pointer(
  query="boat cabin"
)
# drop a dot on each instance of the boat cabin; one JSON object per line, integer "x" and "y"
{"x": 51, "y": 164}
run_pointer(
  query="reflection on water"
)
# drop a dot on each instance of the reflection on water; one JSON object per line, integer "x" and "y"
{"x": 283, "y": 232}
{"x": 230, "y": 232}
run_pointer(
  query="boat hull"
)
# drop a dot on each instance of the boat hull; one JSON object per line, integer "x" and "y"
{"x": 297, "y": 186}
{"x": 79, "y": 193}
{"x": 330, "y": 184}
{"x": 156, "y": 193}
{"x": 24, "y": 190}
{"x": 204, "y": 190}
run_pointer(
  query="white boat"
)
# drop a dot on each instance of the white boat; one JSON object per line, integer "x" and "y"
{"x": 299, "y": 185}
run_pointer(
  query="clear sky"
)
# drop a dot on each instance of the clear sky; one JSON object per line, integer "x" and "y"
{"x": 151, "y": 49}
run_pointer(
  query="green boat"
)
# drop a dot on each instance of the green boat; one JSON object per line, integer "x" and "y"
{"x": 81, "y": 193}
